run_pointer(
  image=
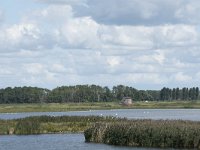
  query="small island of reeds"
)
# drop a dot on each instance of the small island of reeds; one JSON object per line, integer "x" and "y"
{"x": 111, "y": 130}
{"x": 51, "y": 124}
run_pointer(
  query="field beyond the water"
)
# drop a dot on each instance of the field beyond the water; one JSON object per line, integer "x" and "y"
{"x": 63, "y": 107}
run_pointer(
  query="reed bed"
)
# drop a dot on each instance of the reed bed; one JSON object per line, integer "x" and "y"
{"x": 147, "y": 133}
{"x": 51, "y": 124}
{"x": 113, "y": 131}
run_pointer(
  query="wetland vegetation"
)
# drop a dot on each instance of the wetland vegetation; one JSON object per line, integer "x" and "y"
{"x": 111, "y": 130}
{"x": 146, "y": 133}
{"x": 51, "y": 124}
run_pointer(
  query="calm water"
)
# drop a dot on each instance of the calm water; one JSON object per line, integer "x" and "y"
{"x": 184, "y": 114}
{"x": 76, "y": 141}
{"x": 55, "y": 142}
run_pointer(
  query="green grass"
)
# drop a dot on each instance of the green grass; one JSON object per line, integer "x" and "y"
{"x": 57, "y": 107}
{"x": 50, "y": 124}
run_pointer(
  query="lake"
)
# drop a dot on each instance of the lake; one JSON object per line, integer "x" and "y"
{"x": 184, "y": 114}
{"x": 76, "y": 141}
{"x": 55, "y": 142}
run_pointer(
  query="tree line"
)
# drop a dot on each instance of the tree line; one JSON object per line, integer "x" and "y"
{"x": 179, "y": 94}
{"x": 92, "y": 93}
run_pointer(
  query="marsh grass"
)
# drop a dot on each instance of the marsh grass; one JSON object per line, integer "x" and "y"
{"x": 6, "y": 126}
{"x": 50, "y": 124}
{"x": 147, "y": 133}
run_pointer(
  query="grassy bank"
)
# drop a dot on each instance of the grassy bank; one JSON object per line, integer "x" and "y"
{"x": 55, "y": 107}
{"x": 147, "y": 133}
{"x": 48, "y": 124}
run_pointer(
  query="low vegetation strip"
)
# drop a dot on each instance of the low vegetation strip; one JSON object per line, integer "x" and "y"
{"x": 49, "y": 124}
{"x": 146, "y": 133}
{"x": 64, "y": 107}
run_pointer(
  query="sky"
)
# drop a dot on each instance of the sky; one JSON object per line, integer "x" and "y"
{"x": 146, "y": 44}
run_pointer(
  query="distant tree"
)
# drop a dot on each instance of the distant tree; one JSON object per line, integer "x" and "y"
{"x": 197, "y": 93}
{"x": 174, "y": 94}
{"x": 177, "y": 94}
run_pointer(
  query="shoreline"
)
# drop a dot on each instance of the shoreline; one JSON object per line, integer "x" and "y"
{"x": 66, "y": 107}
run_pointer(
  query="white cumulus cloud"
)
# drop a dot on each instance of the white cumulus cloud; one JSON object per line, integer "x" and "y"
{"x": 138, "y": 43}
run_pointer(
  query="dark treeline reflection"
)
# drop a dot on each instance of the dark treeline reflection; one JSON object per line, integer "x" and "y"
{"x": 93, "y": 93}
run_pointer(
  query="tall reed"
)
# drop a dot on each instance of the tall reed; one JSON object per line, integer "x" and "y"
{"x": 146, "y": 133}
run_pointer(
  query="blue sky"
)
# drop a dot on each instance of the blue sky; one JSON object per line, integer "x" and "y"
{"x": 146, "y": 44}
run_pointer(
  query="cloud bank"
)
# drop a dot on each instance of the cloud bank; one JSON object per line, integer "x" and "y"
{"x": 147, "y": 44}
